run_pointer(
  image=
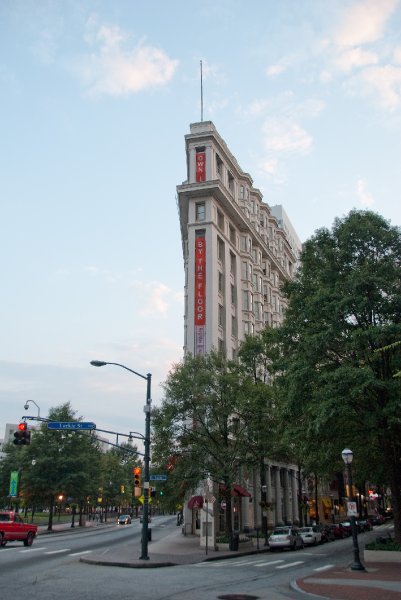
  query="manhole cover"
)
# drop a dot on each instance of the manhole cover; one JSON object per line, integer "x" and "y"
{"x": 237, "y": 597}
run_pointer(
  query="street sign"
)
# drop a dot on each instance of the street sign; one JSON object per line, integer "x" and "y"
{"x": 73, "y": 425}
{"x": 352, "y": 509}
{"x": 158, "y": 477}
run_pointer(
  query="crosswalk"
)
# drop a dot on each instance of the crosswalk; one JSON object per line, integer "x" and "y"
{"x": 256, "y": 563}
{"x": 44, "y": 550}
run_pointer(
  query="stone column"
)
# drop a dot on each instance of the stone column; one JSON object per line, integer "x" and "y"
{"x": 278, "y": 507}
{"x": 287, "y": 503}
{"x": 294, "y": 487}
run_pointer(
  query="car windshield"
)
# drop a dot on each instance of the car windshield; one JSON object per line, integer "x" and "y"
{"x": 281, "y": 532}
{"x": 305, "y": 530}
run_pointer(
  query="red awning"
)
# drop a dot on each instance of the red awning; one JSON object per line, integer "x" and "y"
{"x": 240, "y": 491}
{"x": 195, "y": 502}
{"x": 237, "y": 490}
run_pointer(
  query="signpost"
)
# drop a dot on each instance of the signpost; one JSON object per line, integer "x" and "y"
{"x": 70, "y": 425}
{"x": 158, "y": 477}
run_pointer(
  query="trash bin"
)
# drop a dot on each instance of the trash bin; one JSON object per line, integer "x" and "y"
{"x": 149, "y": 534}
{"x": 234, "y": 541}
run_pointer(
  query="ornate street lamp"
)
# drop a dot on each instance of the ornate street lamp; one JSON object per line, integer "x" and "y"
{"x": 347, "y": 457}
{"x": 145, "y": 519}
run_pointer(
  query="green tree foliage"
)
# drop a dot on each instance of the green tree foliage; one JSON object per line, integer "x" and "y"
{"x": 338, "y": 384}
{"x": 198, "y": 428}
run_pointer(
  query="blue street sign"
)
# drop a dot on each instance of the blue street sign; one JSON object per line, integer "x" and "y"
{"x": 73, "y": 425}
{"x": 158, "y": 477}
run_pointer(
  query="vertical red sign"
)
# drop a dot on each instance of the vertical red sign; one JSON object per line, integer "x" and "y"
{"x": 200, "y": 166}
{"x": 200, "y": 281}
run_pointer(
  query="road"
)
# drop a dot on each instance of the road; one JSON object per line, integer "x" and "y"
{"x": 51, "y": 569}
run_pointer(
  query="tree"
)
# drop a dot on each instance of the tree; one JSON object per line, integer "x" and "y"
{"x": 65, "y": 462}
{"x": 337, "y": 378}
{"x": 199, "y": 423}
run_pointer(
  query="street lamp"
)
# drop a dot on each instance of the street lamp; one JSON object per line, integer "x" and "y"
{"x": 347, "y": 457}
{"x": 145, "y": 519}
{"x": 26, "y": 405}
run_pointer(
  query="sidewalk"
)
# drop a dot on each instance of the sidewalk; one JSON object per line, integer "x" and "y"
{"x": 380, "y": 580}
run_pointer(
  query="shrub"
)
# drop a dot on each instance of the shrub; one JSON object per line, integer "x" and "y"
{"x": 384, "y": 544}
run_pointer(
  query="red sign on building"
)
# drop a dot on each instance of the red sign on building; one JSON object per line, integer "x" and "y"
{"x": 200, "y": 166}
{"x": 200, "y": 294}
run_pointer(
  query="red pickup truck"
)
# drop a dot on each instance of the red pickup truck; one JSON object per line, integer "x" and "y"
{"x": 12, "y": 527}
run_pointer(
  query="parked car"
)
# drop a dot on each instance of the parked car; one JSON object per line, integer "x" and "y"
{"x": 124, "y": 520}
{"x": 337, "y": 531}
{"x": 378, "y": 520}
{"x": 364, "y": 525}
{"x": 310, "y": 535}
{"x": 326, "y": 533}
{"x": 347, "y": 528}
{"x": 285, "y": 537}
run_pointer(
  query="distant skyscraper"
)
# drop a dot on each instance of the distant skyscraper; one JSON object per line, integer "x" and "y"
{"x": 237, "y": 250}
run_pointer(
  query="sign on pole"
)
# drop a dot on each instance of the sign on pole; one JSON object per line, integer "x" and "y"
{"x": 13, "y": 492}
{"x": 70, "y": 425}
{"x": 158, "y": 477}
{"x": 352, "y": 509}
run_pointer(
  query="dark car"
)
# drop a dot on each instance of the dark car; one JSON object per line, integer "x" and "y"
{"x": 364, "y": 525}
{"x": 124, "y": 520}
{"x": 327, "y": 533}
{"x": 337, "y": 532}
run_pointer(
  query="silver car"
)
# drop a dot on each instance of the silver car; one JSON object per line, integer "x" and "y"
{"x": 310, "y": 535}
{"x": 285, "y": 537}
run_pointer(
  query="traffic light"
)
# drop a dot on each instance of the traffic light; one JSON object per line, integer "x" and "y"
{"x": 137, "y": 477}
{"x": 22, "y": 437}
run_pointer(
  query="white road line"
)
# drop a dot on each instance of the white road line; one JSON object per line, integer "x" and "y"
{"x": 298, "y": 562}
{"x": 33, "y": 549}
{"x": 80, "y": 553}
{"x": 273, "y": 562}
{"x": 324, "y": 568}
{"x": 58, "y": 551}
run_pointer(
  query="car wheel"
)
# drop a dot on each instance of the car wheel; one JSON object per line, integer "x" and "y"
{"x": 2, "y": 540}
{"x": 29, "y": 540}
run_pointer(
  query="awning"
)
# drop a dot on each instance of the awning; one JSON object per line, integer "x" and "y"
{"x": 195, "y": 502}
{"x": 240, "y": 491}
{"x": 326, "y": 502}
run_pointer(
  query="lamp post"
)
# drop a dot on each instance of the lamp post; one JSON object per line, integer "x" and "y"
{"x": 347, "y": 457}
{"x": 145, "y": 520}
{"x": 26, "y": 405}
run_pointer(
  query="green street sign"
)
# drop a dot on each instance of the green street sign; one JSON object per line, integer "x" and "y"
{"x": 14, "y": 477}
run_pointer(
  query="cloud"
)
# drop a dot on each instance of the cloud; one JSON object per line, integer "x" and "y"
{"x": 285, "y": 136}
{"x": 353, "y": 58}
{"x": 155, "y": 298}
{"x": 113, "y": 68}
{"x": 365, "y": 198}
{"x": 364, "y": 23}
{"x": 386, "y": 82}
{"x": 273, "y": 70}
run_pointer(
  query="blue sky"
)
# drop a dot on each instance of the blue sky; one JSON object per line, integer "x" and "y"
{"x": 96, "y": 98}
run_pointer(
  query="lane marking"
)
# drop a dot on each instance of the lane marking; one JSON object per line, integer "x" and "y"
{"x": 324, "y": 568}
{"x": 33, "y": 549}
{"x": 80, "y": 553}
{"x": 273, "y": 562}
{"x": 58, "y": 551}
{"x": 298, "y": 562}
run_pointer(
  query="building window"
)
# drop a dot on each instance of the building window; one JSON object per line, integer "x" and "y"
{"x": 232, "y": 235}
{"x": 234, "y": 326}
{"x": 220, "y": 219}
{"x": 221, "y": 282}
{"x": 233, "y": 265}
{"x": 220, "y": 249}
{"x": 200, "y": 211}
{"x": 219, "y": 166}
{"x": 221, "y": 316}
{"x": 245, "y": 300}
{"x": 233, "y": 295}
{"x": 221, "y": 346}
{"x": 231, "y": 183}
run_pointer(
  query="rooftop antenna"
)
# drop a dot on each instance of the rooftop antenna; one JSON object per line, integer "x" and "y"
{"x": 201, "y": 78}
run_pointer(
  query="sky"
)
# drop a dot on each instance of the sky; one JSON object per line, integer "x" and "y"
{"x": 96, "y": 98}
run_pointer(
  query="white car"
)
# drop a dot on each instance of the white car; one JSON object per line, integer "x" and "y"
{"x": 310, "y": 535}
{"x": 285, "y": 537}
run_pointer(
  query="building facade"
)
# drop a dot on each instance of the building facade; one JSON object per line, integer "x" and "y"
{"x": 237, "y": 252}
